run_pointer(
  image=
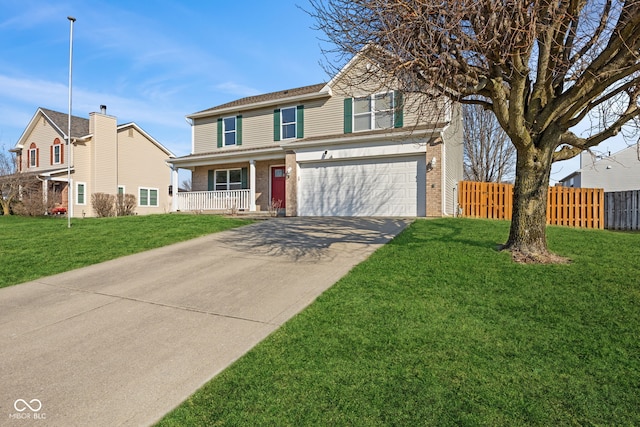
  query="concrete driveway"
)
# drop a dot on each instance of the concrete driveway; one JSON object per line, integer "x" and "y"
{"x": 125, "y": 341}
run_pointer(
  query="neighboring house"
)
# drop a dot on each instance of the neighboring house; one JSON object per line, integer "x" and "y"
{"x": 104, "y": 157}
{"x": 329, "y": 149}
{"x": 617, "y": 172}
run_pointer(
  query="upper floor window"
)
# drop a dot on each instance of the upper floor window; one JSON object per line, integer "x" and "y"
{"x": 32, "y": 156}
{"x": 57, "y": 156}
{"x": 373, "y": 112}
{"x": 288, "y": 116}
{"x": 288, "y": 123}
{"x": 229, "y": 131}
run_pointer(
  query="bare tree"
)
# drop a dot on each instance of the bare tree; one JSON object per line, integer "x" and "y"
{"x": 489, "y": 155}
{"x": 11, "y": 181}
{"x": 186, "y": 185}
{"x": 541, "y": 67}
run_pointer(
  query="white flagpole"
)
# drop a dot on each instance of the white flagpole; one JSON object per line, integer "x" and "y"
{"x": 69, "y": 186}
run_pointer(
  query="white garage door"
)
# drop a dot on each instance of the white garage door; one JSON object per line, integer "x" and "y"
{"x": 369, "y": 187}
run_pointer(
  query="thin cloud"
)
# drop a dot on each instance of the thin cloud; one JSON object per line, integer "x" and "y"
{"x": 236, "y": 89}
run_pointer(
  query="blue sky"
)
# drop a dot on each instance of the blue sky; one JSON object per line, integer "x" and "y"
{"x": 155, "y": 61}
{"x": 151, "y": 62}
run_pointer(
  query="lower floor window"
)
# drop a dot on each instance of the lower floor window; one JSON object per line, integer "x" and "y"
{"x": 80, "y": 193}
{"x": 148, "y": 197}
{"x": 229, "y": 179}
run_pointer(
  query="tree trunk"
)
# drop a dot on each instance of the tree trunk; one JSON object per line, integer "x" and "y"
{"x": 527, "y": 236}
{"x": 6, "y": 210}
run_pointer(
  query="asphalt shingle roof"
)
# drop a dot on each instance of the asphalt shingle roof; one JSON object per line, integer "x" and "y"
{"x": 79, "y": 125}
{"x": 266, "y": 97}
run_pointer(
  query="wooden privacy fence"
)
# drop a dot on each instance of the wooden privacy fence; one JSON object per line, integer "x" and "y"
{"x": 622, "y": 210}
{"x": 575, "y": 207}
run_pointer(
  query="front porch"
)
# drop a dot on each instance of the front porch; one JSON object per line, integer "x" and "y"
{"x": 252, "y": 185}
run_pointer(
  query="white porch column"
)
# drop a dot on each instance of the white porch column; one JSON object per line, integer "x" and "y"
{"x": 252, "y": 185}
{"x": 45, "y": 192}
{"x": 174, "y": 185}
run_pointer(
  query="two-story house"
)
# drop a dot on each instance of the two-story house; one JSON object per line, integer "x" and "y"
{"x": 104, "y": 157}
{"x": 615, "y": 172}
{"x": 329, "y": 149}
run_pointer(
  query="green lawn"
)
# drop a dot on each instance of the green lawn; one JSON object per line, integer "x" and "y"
{"x": 36, "y": 247}
{"x": 437, "y": 328}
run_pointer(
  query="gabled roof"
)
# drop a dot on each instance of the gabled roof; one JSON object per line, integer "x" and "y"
{"x": 59, "y": 121}
{"x": 146, "y": 135}
{"x": 79, "y": 125}
{"x": 79, "y": 128}
{"x": 264, "y": 99}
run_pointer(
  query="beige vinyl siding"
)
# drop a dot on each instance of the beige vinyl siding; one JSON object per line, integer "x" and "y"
{"x": 141, "y": 164}
{"x": 419, "y": 111}
{"x": 204, "y": 135}
{"x": 83, "y": 172}
{"x": 453, "y": 148}
{"x": 104, "y": 154}
{"x": 323, "y": 117}
{"x": 257, "y": 128}
{"x": 43, "y": 135}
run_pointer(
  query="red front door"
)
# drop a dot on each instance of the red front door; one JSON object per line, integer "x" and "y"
{"x": 278, "y": 179}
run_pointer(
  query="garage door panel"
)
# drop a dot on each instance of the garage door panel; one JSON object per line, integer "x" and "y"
{"x": 371, "y": 187}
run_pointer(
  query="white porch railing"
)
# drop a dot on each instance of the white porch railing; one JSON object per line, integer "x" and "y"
{"x": 214, "y": 200}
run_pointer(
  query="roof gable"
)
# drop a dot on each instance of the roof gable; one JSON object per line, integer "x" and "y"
{"x": 79, "y": 125}
{"x": 59, "y": 121}
{"x": 147, "y": 136}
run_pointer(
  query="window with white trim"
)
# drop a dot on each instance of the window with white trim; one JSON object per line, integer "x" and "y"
{"x": 288, "y": 122}
{"x": 148, "y": 197}
{"x": 229, "y": 130}
{"x": 373, "y": 112}
{"x": 56, "y": 154}
{"x": 228, "y": 179}
{"x": 81, "y": 197}
{"x": 33, "y": 156}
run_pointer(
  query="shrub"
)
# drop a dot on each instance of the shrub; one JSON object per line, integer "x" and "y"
{"x": 103, "y": 204}
{"x": 125, "y": 204}
{"x": 31, "y": 203}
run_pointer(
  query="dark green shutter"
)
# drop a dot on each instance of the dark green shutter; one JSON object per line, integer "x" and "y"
{"x": 238, "y": 130}
{"x": 348, "y": 115}
{"x": 220, "y": 132}
{"x": 244, "y": 175}
{"x": 300, "y": 121}
{"x": 398, "y": 120}
{"x": 276, "y": 124}
{"x": 210, "y": 183}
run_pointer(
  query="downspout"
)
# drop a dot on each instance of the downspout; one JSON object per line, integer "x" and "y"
{"x": 443, "y": 174}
